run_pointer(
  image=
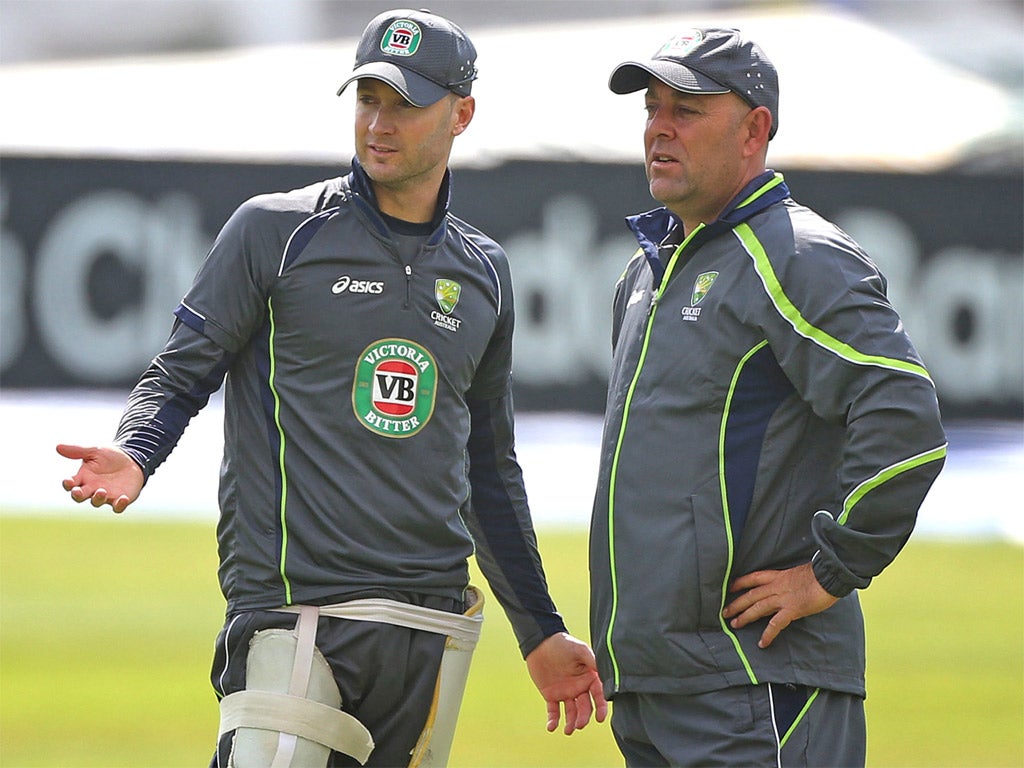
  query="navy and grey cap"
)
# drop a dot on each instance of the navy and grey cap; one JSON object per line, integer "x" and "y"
{"x": 710, "y": 60}
{"x": 421, "y": 55}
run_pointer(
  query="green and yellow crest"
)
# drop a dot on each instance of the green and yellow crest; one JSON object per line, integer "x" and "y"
{"x": 447, "y": 294}
{"x": 701, "y": 286}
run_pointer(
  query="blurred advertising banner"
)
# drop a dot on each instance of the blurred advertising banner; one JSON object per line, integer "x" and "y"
{"x": 97, "y": 253}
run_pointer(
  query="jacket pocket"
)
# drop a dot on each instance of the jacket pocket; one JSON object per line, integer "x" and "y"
{"x": 681, "y": 552}
{"x": 712, "y": 558}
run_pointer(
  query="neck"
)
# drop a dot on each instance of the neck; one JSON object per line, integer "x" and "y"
{"x": 414, "y": 200}
{"x": 712, "y": 210}
{"x": 416, "y": 206}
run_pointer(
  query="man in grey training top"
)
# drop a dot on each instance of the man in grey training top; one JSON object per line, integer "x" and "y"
{"x": 364, "y": 334}
{"x": 770, "y": 434}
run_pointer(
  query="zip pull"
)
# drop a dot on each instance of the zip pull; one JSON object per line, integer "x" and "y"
{"x": 655, "y": 297}
{"x": 408, "y": 286}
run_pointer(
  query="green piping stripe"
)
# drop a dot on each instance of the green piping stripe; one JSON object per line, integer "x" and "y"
{"x": 792, "y": 315}
{"x": 887, "y": 474}
{"x": 769, "y": 185}
{"x": 799, "y": 717}
{"x": 725, "y": 509}
{"x": 618, "y": 452}
{"x": 283, "y": 502}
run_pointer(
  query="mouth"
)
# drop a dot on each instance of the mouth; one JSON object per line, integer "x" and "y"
{"x": 660, "y": 160}
{"x": 381, "y": 150}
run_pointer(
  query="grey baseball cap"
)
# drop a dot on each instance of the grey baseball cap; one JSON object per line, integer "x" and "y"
{"x": 710, "y": 60}
{"x": 421, "y": 55}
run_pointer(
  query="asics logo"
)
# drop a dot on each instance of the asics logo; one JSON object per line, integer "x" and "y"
{"x": 346, "y": 283}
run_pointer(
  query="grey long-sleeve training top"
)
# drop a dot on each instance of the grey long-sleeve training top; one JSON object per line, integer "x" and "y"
{"x": 368, "y": 412}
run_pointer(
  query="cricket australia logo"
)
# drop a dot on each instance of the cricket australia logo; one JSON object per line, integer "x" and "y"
{"x": 402, "y": 38}
{"x": 395, "y": 387}
{"x": 447, "y": 293}
{"x": 701, "y": 286}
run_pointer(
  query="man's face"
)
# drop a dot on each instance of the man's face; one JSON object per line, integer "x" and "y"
{"x": 399, "y": 144}
{"x": 693, "y": 150}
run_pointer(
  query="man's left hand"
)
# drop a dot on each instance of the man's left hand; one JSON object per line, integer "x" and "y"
{"x": 565, "y": 673}
{"x": 784, "y": 595}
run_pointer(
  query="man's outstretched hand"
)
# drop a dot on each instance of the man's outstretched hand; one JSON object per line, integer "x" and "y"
{"x": 565, "y": 673}
{"x": 107, "y": 475}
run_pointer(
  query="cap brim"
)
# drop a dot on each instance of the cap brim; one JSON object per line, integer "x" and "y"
{"x": 631, "y": 76}
{"x": 416, "y": 89}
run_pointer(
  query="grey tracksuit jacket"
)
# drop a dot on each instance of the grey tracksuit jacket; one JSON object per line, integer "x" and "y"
{"x": 368, "y": 415}
{"x": 765, "y": 409}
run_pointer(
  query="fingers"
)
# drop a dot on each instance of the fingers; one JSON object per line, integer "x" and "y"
{"x": 584, "y": 710}
{"x": 72, "y": 451}
{"x": 579, "y": 709}
{"x": 97, "y": 497}
{"x": 750, "y": 606}
{"x": 570, "y": 717}
{"x": 776, "y": 624}
{"x": 597, "y": 694}
{"x": 554, "y": 715}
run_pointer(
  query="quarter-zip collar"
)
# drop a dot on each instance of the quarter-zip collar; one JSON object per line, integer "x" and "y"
{"x": 651, "y": 228}
{"x": 361, "y": 189}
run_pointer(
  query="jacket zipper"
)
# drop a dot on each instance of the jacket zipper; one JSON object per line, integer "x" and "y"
{"x": 651, "y": 311}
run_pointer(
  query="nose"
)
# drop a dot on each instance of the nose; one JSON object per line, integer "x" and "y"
{"x": 658, "y": 122}
{"x": 381, "y": 122}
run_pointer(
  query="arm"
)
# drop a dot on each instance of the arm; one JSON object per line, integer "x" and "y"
{"x": 174, "y": 388}
{"x": 181, "y": 378}
{"x": 843, "y": 347}
{"x": 498, "y": 518}
{"x": 562, "y": 668}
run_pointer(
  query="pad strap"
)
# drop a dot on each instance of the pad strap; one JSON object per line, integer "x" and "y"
{"x": 462, "y": 627}
{"x": 305, "y": 643}
{"x": 299, "y": 716}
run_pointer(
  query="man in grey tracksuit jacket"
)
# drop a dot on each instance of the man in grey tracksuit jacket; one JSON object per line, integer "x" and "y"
{"x": 765, "y": 411}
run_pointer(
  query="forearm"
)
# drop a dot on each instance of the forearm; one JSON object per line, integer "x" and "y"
{"x": 174, "y": 388}
{"x": 892, "y": 457}
{"x": 499, "y": 521}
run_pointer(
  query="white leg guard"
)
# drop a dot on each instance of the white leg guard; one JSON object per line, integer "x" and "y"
{"x": 289, "y": 714}
{"x": 435, "y": 743}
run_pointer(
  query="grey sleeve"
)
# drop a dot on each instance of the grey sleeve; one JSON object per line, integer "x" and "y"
{"x": 173, "y": 389}
{"x": 215, "y": 319}
{"x": 844, "y": 348}
{"x": 498, "y": 515}
{"x": 499, "y": 519}
{"x": 228, "y": 298}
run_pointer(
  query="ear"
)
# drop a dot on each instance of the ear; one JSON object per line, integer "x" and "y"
{"x": 757, "y": 124}
{"x": 464, "y": 110}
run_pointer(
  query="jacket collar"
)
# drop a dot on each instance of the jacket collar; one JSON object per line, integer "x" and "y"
{"x": 361, "y": 190}
{"x": 652, "y": 227}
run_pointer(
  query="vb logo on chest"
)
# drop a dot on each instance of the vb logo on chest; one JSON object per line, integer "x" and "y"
{"x": 395, "y": 387}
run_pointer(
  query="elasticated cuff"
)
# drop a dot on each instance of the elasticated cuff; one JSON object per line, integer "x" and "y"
{"x": 834, "y": 577}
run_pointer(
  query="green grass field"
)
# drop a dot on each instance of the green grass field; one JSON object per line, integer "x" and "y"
{"x": 107, "y": 628}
